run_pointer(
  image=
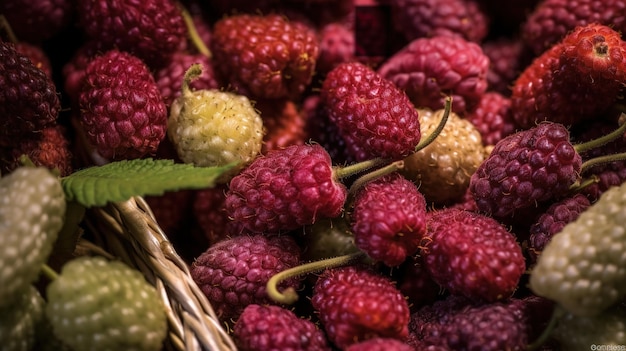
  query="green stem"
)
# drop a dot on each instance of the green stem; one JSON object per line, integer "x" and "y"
{"x": 194, "y": 71}
{"x": 193, "y": 33}
{"x": 289, "y": 295}
{"x": 6, "y": 26}
{"x": 580, "y": 185}
{"x": 49, "y": 272}
{"x": 346, "y": 171}
{"x": 366, "y": 178}
{"x": 602, "y": 159}
{"x": 432, "y": 136}
{"x": 591, "y": 144}
{"x": 557, "y": 313}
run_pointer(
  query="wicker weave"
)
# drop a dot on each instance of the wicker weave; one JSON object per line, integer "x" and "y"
{"x": 128, "y": 230}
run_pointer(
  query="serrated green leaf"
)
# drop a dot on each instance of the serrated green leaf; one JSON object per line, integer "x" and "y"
{"x": 121, "y": 180}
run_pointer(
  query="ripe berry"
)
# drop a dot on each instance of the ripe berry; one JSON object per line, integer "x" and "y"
{"x": 371, "y": 111}
{"x": 472, "y": 255}
{"x": 356, "y": 303}
{"x": 428, "y": 69}
{"x": 553, "y": 220}
{"x": 492, "y": 117}
{"x": 552, "y": 20}
{"x": 267, "y": 327}
{"x": 389, "y": 219}
{"x": 380, "y": 344}
{"x": 36, "y": 21}
{"x": 442, "y": 170}
{"x": 507, "y": 58}
{"x": 233, "y": 273}
{"x": 31, "y": 212}
{"x": 214, "y": 127}
{"x": 285, "y": 189}
{"x": 577, "y": 79}
{"x": 264, "y": 56}
{"x": 150, "y": 30}
{"x": 29, "y": 101}
{"x": 583, "y": 267}
{"x": 122, "y": 111}
{"x": 428, "y": 18}
{"x": 524, "y": 168}
{"x": 134, "y": 317}
{"x": 283, "y": 122}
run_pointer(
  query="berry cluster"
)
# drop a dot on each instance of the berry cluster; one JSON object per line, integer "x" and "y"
{"x": 450, "y": 194}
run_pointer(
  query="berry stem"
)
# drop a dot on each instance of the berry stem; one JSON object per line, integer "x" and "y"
{"x": 366, "y": 178}
{"x": 582, "y": 184}
{"x": 192, "y": 73}
{"x": 193, "y": 33}
{"x": 289, "y": 295}
{"x": 591, "y": 144}
{"x": 602, "y": 159}
{"x": 48, "y": 272}
{"x": 444, "y": 119}
{"x": 8, "y": 31}
{"x": 557, "y": 313}
{"x": 346, "y": 171}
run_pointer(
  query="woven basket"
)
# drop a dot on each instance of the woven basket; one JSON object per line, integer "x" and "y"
{"x": 128, "y": 231}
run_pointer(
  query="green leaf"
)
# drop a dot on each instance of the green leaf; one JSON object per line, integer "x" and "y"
{"x": 121, "y": 180}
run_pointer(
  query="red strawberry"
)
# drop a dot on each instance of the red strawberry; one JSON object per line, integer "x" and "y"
{"x": 527, "y": 167}
{"x": 430, "y": 68}
{"x": 150, "y": 29}
{"x": 493, "y": 117}
{"x": 389, "y": 219}
{"x": 122, "y": 110}
{"x": 263, "y": 327}
{"x": 233, "y": 273}
{"x": 371, "y": 111}
{"x": 356, "y": 303}
{"x": 285, "y": 189}
{"x": 428, "y": 18}
{"x": 472, "y": 255}
{"x": 552, "y": 20}
{"x": 577, "y": 79}
{"x": 264, "y": 56}
{"x": 169, "y": 78}
{"x": 29, "y": 102}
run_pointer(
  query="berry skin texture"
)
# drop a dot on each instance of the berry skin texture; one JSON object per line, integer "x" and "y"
{"x": 444, "y": 167}
{"x": 527, "y": 167}
{"x": 285, "y": 190}
{"x": 150, "y": 29}
{"x": 583, "y": 267}
{"x": 576, "y": 333}
{"x": 556, "y": 217}
{"x": 454, "y": 325}
{"x": 389, "y": 219}
{"x": 493, "y": 117}
{"x": 575, "y": 80}
{"x": 210, "y": 127}
{"x": 552, "y": 20}
{"x": 427, "y": 18}
{"x": 122, "y": 111}
{"x": 21, "y": 320}
{"x": 371, "y": 111}
{"x": 472, "y": 255}
{"x": 380, "y": 344}
{"x": 355, "y": 303}
{"x": 429, "y": 69}
{"x": 134, "y": 317}
{"x": 267, "y": 327}
{"x": 32, "y": 209}
{"x": 264, "y": 56}
{"x": 233, "y": 273}
{"x": 28, "y": 101}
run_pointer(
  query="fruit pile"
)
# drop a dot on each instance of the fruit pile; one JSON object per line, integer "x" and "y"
{"x": 464, "y": 188}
